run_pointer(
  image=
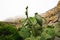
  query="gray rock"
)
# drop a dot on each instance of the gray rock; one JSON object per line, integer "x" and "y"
{"x": 56, "y": 38}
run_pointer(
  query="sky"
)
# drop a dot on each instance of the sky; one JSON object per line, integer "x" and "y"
{"x": 16, "y": 8}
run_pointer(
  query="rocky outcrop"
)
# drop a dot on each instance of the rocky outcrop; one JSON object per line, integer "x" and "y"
{"x": 53, "y": 15}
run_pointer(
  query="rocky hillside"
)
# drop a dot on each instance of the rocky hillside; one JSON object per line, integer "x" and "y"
{"x": 53, "y": 14}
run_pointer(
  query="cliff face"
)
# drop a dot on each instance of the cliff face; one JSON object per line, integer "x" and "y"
{"x": 53, "y": 15}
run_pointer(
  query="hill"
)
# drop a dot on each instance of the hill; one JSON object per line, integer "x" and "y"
{"x": 52, "y": 15}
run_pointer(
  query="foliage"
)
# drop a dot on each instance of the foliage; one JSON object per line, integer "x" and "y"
{"x": 57, "y": 29}
{"x": 8, "y": 32}
{"x": 48, "y": 33}
{"x": 24, "y": 32}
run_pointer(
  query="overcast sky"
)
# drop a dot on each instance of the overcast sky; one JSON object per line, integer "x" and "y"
{"x": 12, "y": 8}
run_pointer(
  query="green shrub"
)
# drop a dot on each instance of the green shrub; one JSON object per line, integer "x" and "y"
{"x": 57, "y": 29}
{"x": 24, "y": 32}
{"x": 8, "y": 32}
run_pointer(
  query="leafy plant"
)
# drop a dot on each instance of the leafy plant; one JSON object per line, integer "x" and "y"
{"x": 24, "y": 32}
{"x": 8, "y": 32}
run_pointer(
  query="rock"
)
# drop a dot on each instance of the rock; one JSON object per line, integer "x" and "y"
{"x": 52, "y": 15}
{"x": 56, "y": 38}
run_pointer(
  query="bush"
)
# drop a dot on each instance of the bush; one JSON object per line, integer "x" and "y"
{"x": 8, "y": 32}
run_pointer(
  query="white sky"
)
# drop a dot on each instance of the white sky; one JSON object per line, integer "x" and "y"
{"x": 12, "y": 8}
